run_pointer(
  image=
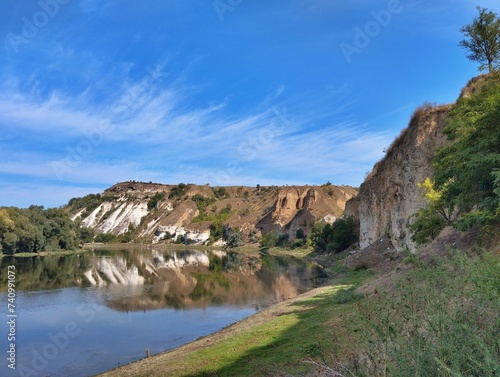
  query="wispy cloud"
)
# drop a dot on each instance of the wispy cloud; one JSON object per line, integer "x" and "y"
{"x": 150, "y": 123}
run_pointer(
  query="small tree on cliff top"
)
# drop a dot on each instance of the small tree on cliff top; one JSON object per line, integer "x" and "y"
{"x": 483, "y": 39}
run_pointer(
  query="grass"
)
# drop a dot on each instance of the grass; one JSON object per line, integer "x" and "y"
{"x": 301, "y": 331}
{"x": 440, "y": 320}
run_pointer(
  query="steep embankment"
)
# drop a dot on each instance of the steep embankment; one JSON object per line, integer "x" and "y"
{"x": 157, "y": 212}
{"x": 390, "y": 194}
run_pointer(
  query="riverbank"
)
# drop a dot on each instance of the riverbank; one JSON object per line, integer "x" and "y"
{"x": 281, "y": 337}
{"x": 46, "y": 253}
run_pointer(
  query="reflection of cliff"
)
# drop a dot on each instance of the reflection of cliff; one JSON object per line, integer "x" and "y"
{"x": 284, "y": 288}
{"x": 145, "y": 279}
{"x": 199, "y": 279}
{"x": 115, "y": 271}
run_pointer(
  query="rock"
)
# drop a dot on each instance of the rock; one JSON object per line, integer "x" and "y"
{"x": 390, "y": 194}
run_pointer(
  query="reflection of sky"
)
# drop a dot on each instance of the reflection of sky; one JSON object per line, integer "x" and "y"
{"x": 105, "y": 337}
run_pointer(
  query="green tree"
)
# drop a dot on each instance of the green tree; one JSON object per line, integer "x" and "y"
{"x": 234, "y": 238}
{"x": 483, "y": 39}
{"x": 333, "y": 237}
{"x": 466, "y": 171}
{"x": 270, "y": 239}
{"x": 155, "y": 199}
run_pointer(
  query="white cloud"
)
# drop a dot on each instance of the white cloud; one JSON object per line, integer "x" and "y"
{"x": 149, "y": 130}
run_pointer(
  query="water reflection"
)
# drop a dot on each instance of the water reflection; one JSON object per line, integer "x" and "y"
{"x": 139, "y": 280}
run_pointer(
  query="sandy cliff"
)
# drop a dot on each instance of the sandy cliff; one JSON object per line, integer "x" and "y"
{"x": 390, "y": 194}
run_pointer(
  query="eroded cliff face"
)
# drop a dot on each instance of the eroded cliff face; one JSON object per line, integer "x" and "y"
{"x": 299, "y": 207}
{"x": 187, "y": 211}
{"x": 390, "y": 195}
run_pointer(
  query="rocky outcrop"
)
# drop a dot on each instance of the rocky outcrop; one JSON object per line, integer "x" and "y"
{"x": 390, "y": 195}
{"x": 155, "y": 213}
{"x": 299, "y": 207}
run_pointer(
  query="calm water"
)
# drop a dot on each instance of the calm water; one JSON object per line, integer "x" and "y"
{"x": 80, "y": 315}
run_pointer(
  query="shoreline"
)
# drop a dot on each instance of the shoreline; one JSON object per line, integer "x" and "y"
{"x": 46, "y": 253}
{"x": 173, "y": 361}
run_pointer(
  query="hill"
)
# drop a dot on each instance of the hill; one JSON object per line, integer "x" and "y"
{"x": 152, "y": 212}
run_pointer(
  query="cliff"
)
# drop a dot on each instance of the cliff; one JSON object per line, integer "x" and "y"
{"x": 153, "y": 212}
{"x": 390, "y": 195}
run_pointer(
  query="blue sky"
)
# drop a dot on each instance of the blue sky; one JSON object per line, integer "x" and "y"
{"x": 226, "y": 92}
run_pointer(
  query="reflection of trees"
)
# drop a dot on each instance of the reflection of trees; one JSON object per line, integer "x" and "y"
{"x": 44, "y": 273}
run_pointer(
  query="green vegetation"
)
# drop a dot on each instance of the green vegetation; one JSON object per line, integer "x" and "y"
{"x": 178, "y": 191}
{"x": 36, "y": 229}
{"x": 234, "y": 238}
{"x": 270, "y": 239}
{"x": 112, "y": 238}
{"x": 220, "y": 192}
{"x": 333, "y": 238}
{"x": 439, "y": 321}
{"x": 89, "y": 202}
{"x": 153, "y": 202}
{"x": 202, "y": 203}
{"x": 483, "y": 39}
{"x": 466, "y": 190}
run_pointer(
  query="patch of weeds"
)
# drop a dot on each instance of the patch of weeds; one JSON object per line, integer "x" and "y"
{"x": 439, "y": 320}
{"x": 346, "y": 296}
{"x": 410, "y": 258}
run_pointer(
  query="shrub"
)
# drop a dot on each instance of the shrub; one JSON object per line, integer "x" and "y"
{"x": 346, "y": 296}
{"x": 335, "y": 237}
{"x": 153, "y": 202}
{"x": 270, "y": 239}
{"x": 220, "y": 192}
{"x": 178, "y": 191}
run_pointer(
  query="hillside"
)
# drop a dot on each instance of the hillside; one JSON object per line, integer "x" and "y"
{"x": 152, "y": 212}
{"x": 456, "y": 146}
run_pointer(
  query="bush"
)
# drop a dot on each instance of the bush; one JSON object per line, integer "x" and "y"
{"x": 178, "y": 191}
{"x": 270, "y": 239}
{"x": 346, "y": 296}
{"x": 105, "y": 238}
{"x": 335, "y": 237}
{"x": 220, "y": 192}
{"x": 153, "y": 202}
{"x": 234, "y": 238}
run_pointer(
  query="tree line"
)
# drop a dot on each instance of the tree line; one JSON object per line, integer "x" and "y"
{"x": 35, "y": 229}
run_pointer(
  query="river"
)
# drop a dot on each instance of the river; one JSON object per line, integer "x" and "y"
{"x": 82, "y": 314}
